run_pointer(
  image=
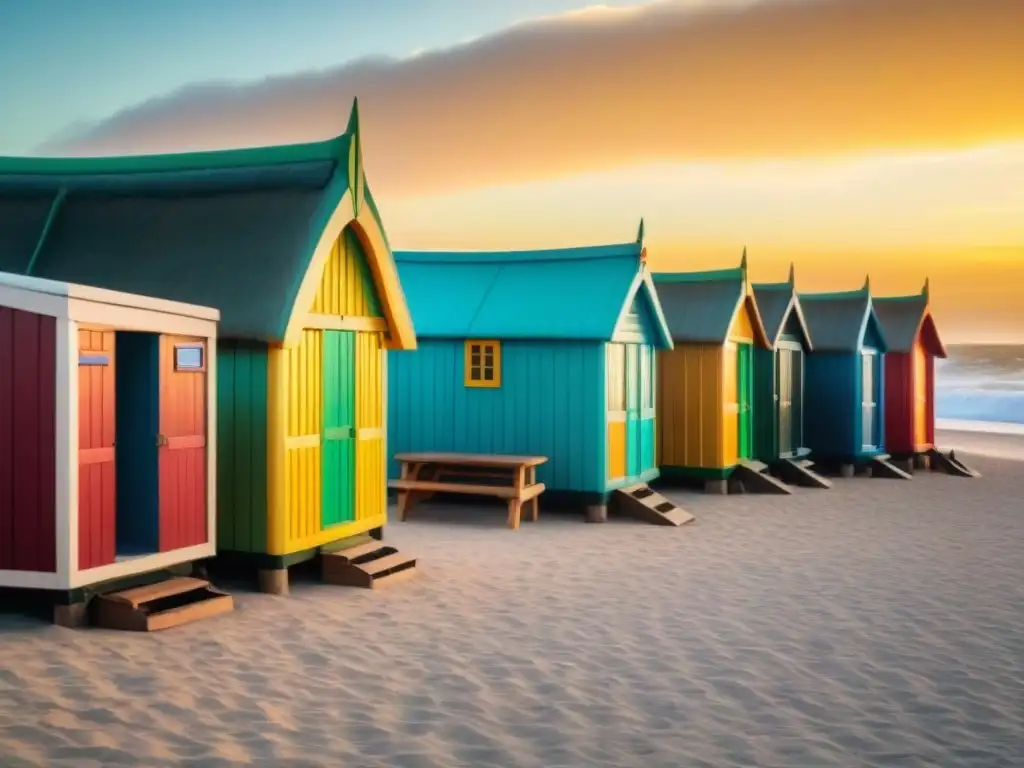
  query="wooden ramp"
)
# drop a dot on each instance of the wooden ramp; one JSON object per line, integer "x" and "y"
{"x": 950, "y": 464}
{"x": 369, "y": 564}
{"x": 641, "y": 502}
{"x": 751, "y": 476}
{"x": 800, "y": 472}
{"x": 880, "y": 466}
{"x": 163, "y": 605}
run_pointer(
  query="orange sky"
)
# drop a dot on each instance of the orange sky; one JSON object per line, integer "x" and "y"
{"x": 848, "y": 134}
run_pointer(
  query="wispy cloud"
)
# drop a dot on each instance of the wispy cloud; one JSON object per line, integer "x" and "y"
{"x": 609, "y": 87}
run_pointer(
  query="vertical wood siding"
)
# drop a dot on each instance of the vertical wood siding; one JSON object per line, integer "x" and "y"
{"x": 241, "y": 446}
{"x": 97, "y": 490}
{"x": 371, "y": 463}
{"x": 899, "y": 403}
{"x": 28, "y": 539}
{"x": 182, "y": 462}
{"x": 303, "y": 468}
{"x": 551, "y": 403}
{"x": 346, "y": 287}
{"x": 691, "y": 392}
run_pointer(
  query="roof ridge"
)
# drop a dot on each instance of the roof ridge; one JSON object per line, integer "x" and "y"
{"x": 537, "y": 255}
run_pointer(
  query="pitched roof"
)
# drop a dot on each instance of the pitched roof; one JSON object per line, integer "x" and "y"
{"x": 700, "y": 306}
{"x": 776, "y": 302}
{"x": 838, "y": 321}
{"x": 904, "y": 317}
{"x": 570, "y": 293}
{"x": 234, "y": 229}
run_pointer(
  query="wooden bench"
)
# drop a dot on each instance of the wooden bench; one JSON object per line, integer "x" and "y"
{"x": 513, "y": 479}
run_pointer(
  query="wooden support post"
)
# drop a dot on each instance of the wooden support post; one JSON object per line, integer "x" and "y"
{"x": 718, "y": 487}
{"x": 274, "y": 581}
{"x": 71, "y": 616}
{"x": 377, "y": 534}
{"x": 846, "y": 470}
{"x": 922, "y": 461}
{"x": 597, "y": 513}
{"x": 535, "y": 501}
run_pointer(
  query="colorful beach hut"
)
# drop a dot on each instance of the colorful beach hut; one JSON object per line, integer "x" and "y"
{"x": 706, "y": 382}
{"x": 548, "y": 353}
{"x": 287, "y": 243}
{"x": 913, "y": 344}
{"x": 779, "y": 381}
{"x": 845, "y": 379}
{"x": 106, "y": 442}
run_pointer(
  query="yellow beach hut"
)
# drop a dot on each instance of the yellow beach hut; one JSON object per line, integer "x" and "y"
{"x": 705, "y": 383}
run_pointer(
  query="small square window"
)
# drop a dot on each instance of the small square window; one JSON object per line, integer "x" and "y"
{"x": 189, "y": 358}
{"x": 93, "y": 358}
{"x": 483, "y": 364}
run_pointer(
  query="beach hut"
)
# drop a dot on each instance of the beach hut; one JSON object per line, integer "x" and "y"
{"x": 845, "y": 381}
{"x": 106, "y": 440}
{"x": 779, "y": 384}
{"x": 913, "y": 344}
{"x": 548, "y": 353}
{"x": 706, "y": 382}
{"x": 287, "y": 243}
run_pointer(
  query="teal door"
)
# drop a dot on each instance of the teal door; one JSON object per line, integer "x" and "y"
{"x": 744, "y": 392}
{"x": 338, "y": 438}
{"x": 634, "y": 457}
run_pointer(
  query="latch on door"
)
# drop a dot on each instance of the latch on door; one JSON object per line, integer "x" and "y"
{"x": 161, "y": 440}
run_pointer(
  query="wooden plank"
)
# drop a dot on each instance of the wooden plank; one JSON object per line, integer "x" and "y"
{"x": 381, "y": 564}
{"x": 138, "y": 595}
{"x": 473, "y": 459}
{"x": 498, "y": 491}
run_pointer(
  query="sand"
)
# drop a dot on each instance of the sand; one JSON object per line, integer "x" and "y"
{"x": 876, "y": 624}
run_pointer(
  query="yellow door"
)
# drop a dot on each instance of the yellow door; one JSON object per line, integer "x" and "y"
{"x": 371, "y": 467}
{"x": 616, "y": 391}
{"x": 730, "y": 405}
{"x": 920, "y": 395}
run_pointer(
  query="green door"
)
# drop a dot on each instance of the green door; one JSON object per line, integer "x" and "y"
{"x": 633, "y": 419}
{"x": 744, "y": 381}
{"x": 339, "y": 453}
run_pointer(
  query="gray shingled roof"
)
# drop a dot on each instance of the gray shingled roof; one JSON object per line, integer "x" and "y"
{"x": 835, "y": 320}
{"x": 699, "y": 310}
{"x": 902, "y": 318}
{"x": 773, "y": 302}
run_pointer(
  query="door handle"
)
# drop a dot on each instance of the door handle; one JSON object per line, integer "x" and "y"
{"x": 161, "y": 440}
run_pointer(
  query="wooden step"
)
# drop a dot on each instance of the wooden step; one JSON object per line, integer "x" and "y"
{"x": 162, "y": 605}
{"x": 880, "y": 466}
{"x": 800, "y": 472}
{"x": 644, "y": 503}
{"x": 750, "y": 477}
{"x": 754, "y": 465}
{"x": 370, "y": 566}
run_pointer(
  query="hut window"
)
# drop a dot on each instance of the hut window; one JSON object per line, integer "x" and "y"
{"x": 483, "y": 364}
{"x": 616, "y": 377}
{"x": 188, "y": 358}
{"x": 92, "y": 359}
{"x": 646, "y": 378}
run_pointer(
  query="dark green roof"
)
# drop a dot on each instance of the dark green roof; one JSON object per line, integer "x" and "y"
{"x": 837, "y": 321}
{"x": 777, "y": 302}
{"x": 234, "y": 229}
{"x": 699, "y": 306}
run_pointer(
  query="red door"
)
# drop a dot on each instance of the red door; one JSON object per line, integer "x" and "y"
{"x": 97, "y": 505}
{"x": 182, "y": 442}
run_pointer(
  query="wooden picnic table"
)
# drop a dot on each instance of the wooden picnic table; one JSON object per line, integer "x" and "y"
{"x": 510, "y": 478}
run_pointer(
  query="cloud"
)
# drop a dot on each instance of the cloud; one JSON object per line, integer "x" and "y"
{"x": 607, "y": 87}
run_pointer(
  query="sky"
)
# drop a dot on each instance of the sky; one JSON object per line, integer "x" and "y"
{"x": 845, "y": 135}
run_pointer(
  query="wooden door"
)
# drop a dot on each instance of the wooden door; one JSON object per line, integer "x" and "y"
{"x": 182, "y": 443}
{"x": 869, "y": 399}
{"x": 785, "y": 399}
{"x": 920, "y": 395}
{"x": 633, "y": 386}
{"x": 338, "y": 453}
{"x": 371, "y": 481}
{"x": 97, "y": 492}
{"x": 744, "y": 393}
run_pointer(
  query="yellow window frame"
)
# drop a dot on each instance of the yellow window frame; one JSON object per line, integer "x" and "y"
{"x": 481, "y": 356}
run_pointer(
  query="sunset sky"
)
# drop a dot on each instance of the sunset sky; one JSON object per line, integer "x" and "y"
{"x": 846, "y": 135}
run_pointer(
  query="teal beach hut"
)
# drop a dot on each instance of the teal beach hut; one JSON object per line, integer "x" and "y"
{"x": 845, "y": 380}
{"x": 547, "y": 352}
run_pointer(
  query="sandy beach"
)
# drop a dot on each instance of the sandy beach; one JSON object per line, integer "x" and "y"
{"x": 876, "y": 624}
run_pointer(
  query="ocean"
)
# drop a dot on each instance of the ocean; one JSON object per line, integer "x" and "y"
{"x": 981, "y": 383}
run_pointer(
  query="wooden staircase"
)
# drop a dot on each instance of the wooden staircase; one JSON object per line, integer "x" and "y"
{"x": 751, "y": 476}
{"x": 369, "y": 564}
{"x": 162, "y": 605}
{"x": 800, "y": 472}
{"x": 880, "y": 466}
{"x": 641, "y": 502}
{"x": 950, "y": 464}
